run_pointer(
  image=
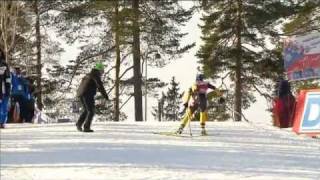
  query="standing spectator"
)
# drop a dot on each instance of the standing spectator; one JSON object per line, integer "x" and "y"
{"x": 283, "y": 105}
{"x": 19, "y": 86}
{"x": 86, "y": 92}
{"x": 5, "y": 85}
{"x": 29, "y": 99}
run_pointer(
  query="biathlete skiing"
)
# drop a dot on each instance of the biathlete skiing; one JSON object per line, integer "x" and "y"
{"x": 196, "y": 98}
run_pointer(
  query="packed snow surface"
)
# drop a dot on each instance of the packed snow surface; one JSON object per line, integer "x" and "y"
{"x": 132, "y": 151}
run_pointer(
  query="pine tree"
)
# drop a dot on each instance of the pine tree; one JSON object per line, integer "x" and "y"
{"x": 234, "y": 34}
{"x": 137, "y": 81}
{"x": 116, "y": 26}
{"x": 156, "y": 27}
{"x": 38, "y": 46}
{"x": 43, "y": 51}
{"x": 305, "y": 20}
{"x": 159, "y": 35}
{"x": 92, "y": 23}
{"x": 172, "y": 102}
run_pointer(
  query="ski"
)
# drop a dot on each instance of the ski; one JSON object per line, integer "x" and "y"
{"x": 168, "y": 133}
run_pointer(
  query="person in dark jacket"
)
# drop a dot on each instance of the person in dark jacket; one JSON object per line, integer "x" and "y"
{"x": 18, "y": 96}
{"x": 5, "y": 86}
{"x": 86, "y": 93}
{"x": 29, "y": 99}
{"x": 283, "y": 104}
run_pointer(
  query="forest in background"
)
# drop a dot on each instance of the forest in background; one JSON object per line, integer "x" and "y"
{"x": 124, "y": 35}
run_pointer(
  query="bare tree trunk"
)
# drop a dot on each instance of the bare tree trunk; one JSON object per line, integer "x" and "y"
{"x": 117, "y": 66}
{"x": 238, "y": 90}
{"x": 8, "y": 24}
{"x": 38, "y": 46}
{"x": 136, "y": 62}
{"x": 159, "y": 111}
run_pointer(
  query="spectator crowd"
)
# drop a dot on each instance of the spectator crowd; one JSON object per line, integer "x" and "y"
{"x": 17, "y": 92}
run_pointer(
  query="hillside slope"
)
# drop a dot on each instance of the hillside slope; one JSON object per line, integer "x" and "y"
{"x": 132, "y": 151}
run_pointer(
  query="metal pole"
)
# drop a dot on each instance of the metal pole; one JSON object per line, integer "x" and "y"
{"x": 146, "y": 93}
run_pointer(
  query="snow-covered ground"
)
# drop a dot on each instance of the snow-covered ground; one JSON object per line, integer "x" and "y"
{"x": 131, "y": 151}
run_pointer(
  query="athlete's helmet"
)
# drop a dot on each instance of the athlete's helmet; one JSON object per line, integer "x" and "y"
{"x": 199, "y": 77}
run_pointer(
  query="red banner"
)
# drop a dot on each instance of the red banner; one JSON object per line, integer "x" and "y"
{"x": 302, "y": 56}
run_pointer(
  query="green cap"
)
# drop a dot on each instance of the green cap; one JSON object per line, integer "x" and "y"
{"x": 99, "y": 66}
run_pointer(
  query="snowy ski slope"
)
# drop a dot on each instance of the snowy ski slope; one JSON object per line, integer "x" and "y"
{"x": 131, "y": 151}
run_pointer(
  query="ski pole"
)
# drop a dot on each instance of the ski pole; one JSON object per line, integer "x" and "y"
{"x": 189, "y": 124}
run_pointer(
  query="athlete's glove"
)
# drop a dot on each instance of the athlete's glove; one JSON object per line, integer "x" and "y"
{"x": 221, "y": 100}
{"x": 185, "y": 105}
{"x": 183, "y": 109}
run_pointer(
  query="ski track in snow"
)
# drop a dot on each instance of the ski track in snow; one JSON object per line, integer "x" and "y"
{"x": 131, "y": 151}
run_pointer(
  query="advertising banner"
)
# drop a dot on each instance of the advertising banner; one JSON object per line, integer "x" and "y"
{"x": 307, "y": 116}
{"x": 302, "y": 56}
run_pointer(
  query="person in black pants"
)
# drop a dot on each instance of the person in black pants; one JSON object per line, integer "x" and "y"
{"x": 5, "y": 89}
{"x": 86, "y": 93}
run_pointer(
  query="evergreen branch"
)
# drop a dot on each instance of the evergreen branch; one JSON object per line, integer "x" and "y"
{"x": 125, "y": 72}
{"x": 108, "y": 71}
{"x": 123, "y": 104}
{"x": 119, "y": 77}
{"x": 122, "y": 90}
{"x": 79, "y": 61}
{"x": 267, "y": 96}
{"x": 251, "y": 51}
{"x": 223, "y": 78}
{"x": 296, "y": 33}
{"x": 123, "y": 58}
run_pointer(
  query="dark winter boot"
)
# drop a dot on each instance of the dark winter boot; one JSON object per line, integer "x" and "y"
{"x": 180, "y": 130}
{"x": 203, "y": 132}
{"x": 79, "y": 128}
{"x": 88, "y": 130}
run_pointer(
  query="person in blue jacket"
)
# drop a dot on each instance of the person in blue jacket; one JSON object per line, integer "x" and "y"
{"x": 5, "y": 85}
{"x": 19, "y": 92}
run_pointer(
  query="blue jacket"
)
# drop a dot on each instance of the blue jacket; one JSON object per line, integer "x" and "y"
{"x": 19, "y": 85}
